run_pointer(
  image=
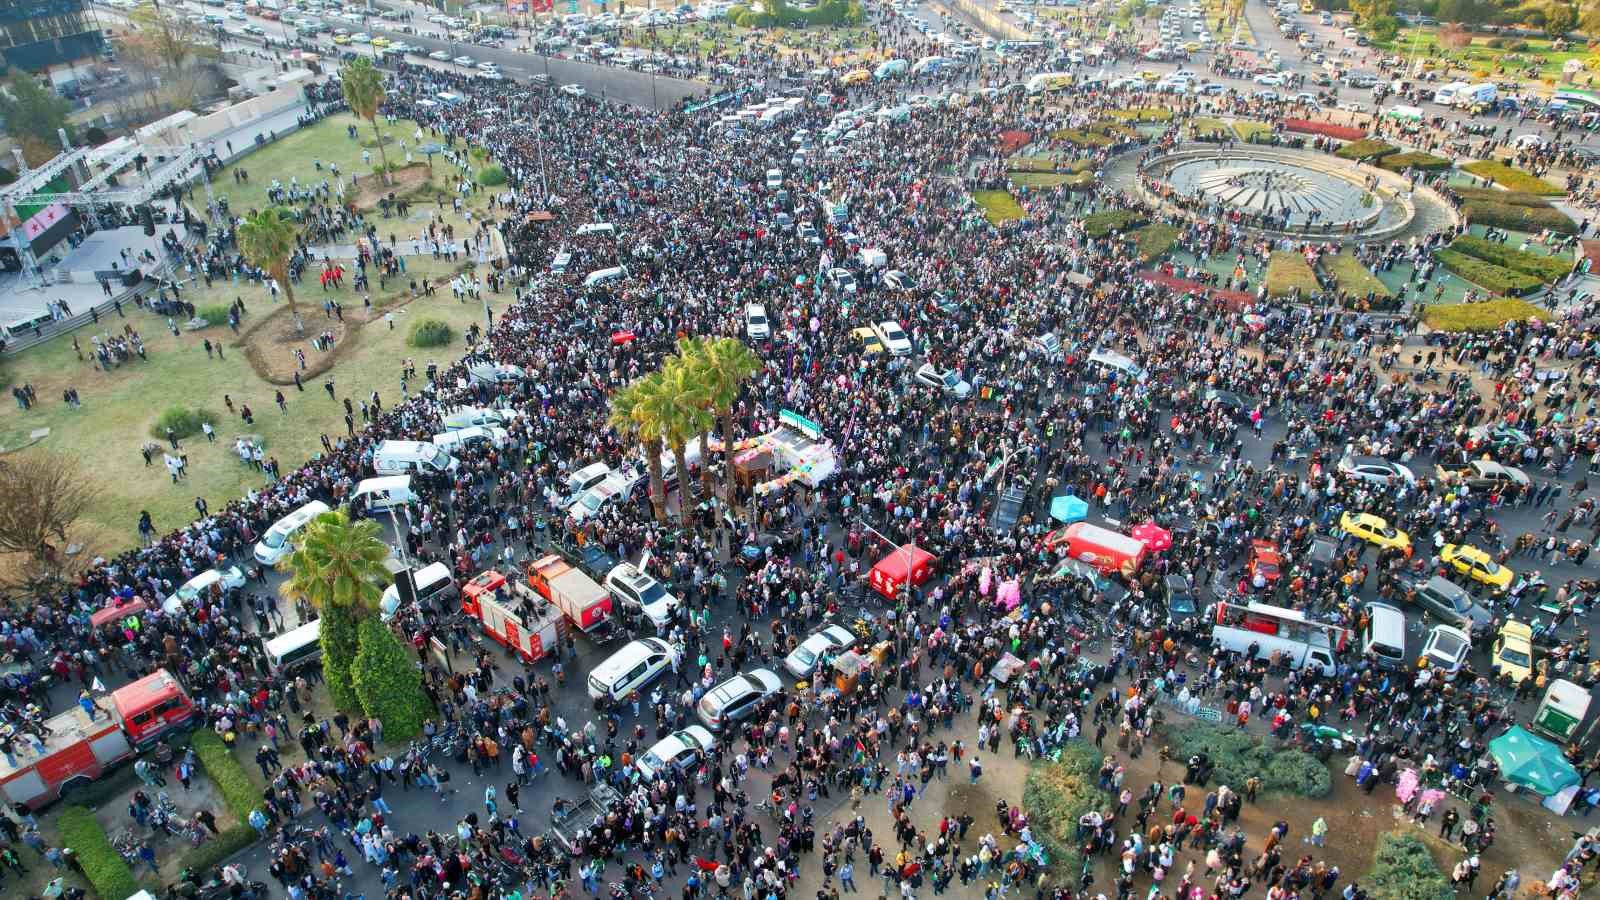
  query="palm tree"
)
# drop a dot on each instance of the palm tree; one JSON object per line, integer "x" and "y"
{"x": 687, "y": 419}
{"x": 267, "y": 239}
{"x": 650, "y": 404}
{"x": 724, "y": 365}
{"x": 338, "y": 568}
{"x": 363, "y": 90}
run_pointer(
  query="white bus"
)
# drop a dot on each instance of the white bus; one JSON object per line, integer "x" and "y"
{"x": 1049, "y": 81}
{"x": 1304, "y": 642}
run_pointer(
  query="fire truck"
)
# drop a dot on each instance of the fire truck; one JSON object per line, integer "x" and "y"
{"x": 79, "y": 749}
{"x": 585, "y": 602}
{"x": 515, "y": 616}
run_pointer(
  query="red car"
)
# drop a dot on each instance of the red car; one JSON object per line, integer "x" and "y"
{"x": 1264, "y": 561}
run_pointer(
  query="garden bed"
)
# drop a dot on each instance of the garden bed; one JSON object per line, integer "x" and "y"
{"x": 1204, "y": 128}
{"x": 1492, "y": 278}
{"x": 1403, "y": 868}
{"x": 1327, "y": 129}
{"x": 1103, "y": 223}
{"x": 1518, "y": 217}
{"x": 1288, "y": 273}
{"x": 1354, "y": 278}
{"x": 1154, "y": 241}
{"x": 1056, "y": 795}
{"x": 1423, "y": 162}
{"x": 1142, "y": 114}
{"x": 1238, "y": 756}
{"x": 1545, "y": 268}
{"x": 1513, "y": 179}
{"x": 1366, "y": 150}
{"x": 999, "y": 207}
{"x": 1252, "y": 132}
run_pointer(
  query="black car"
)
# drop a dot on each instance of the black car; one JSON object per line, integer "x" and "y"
{"x": 1323, "y": 551}
{"x": 1009, "y": 509}
{"x": 1182, "y": 603}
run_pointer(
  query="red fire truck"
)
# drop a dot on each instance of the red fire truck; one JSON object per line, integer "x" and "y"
{"x": 78, "y": 750}
{"x": 586, "y": 603}
{"x": 514, "y": 615}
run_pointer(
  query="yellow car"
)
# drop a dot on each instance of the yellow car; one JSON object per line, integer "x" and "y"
{"x": 381, "y": 42}
{"x": 341, "y": 39}
{"x": 1375, "y": 530}
{"x": 1477, "y": 565}
{"x": 1148, "y": 75}
{"x": 1513, "y": 651}
{"x": 869, "y": 340}
{"x": 857, "y": 76}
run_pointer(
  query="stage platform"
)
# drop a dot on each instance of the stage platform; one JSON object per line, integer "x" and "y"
{"x": 73, "y": 274}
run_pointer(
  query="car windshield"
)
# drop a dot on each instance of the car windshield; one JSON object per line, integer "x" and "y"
{"x": 1516, "y": 656}
{"x": 1182, "y": 603}
{"x": 951, "y": 379}
{"x": 690, "y": 741}
{"x": 651, "y": 761}
{"x": 1447, "y": 645}
{"x": 591, "y": 501}
{"x": 652, "y": 593}
{"x": 1488, "y": 565}
{"x": 274, "y": 539}
{"x": 805, "y": 655}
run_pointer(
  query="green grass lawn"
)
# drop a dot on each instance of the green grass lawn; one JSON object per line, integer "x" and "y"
{"x": 999, "y": 206}
{"x": 118, "y": 407}
{"x": 1288, "y": 271}
{"x": 1539, "y": 60}
{"x": 1248, "y": 130}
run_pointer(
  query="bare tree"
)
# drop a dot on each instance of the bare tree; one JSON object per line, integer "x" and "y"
{"x": 41, "y": 496}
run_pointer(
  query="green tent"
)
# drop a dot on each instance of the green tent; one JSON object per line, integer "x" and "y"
{"x": 1532, "y": 762}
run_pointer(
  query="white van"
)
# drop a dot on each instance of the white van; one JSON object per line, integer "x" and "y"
{"x": 294, "y": 648}
{"x": 468, "y": 416}
{"x": 581, "y": 480}
{"x": 385, "y": 492}
{"x": 603, "y": 276}
{"x": 278, "y": 541}
{"x": 1385, "y": 636}
{"x": 432, "y": 580}
{"x": 1110, "y": 361}
{"x": 411, "y": 457}
{"x": 631, "y": 668}
{"x": 451, "y": 441}
{"x": 605, "y": 228}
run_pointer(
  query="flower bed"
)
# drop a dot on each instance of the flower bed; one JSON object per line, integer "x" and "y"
{"x": 1103, "y": 223}
{"x": 1288, "y": 272}
{"x": 1487, "y": 275}
{"x": 1426, "y": 162}
{"x": 1013, "y": 140}
{"x": 1516, "y": 217}
{"x": 1142, "y": 114}
{"x": 999, "y": 207}
{"x": 1327, "y": 129}
{"x": 1365, "y": 150}
{"x": 1513, "y": 179}
{"x": 1545, "y": 268}
{"x": 1154, "y": 241}
{"x": 1487, "y": 316}
{"x": 1354, "y": 278}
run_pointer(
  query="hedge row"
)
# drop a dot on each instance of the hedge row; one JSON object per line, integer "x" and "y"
{"x": 1487, "y": 275}
{"x": 1238, "y": 756}
{"x": 238, "y": 791}
{"x": 1487, "y": 316}
{"x": 1339, "y": 132}
{"x": 1103, "y": 223}
{"x": 1404, "y": 869}
{"x": 1426, "y": 162}
{"x": 105, "y": 868}
{"x": 1366, "y": 149}
{"x": 1513, "y": 179}
{"x": 1288, "y": 272}
{"x": 1154, "y": 241}
{"x": 1057, "y": 795}
{"x": 215, "y": 851}
{"x": 1518, "y": 218}
{"x": 1093, "y": 139}
{"x": 1495, "y": 195}
{"x": 1545, "y": 268}
{"x": 1354, "y": 278}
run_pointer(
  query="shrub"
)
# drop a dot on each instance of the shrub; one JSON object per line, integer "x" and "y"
{"x": 215, "y": 314}
{"x": 1154, "y": 241}
{"x": 1057, "y": 794}
{"x": 1513, "y": 179}
{"x": 1495, "y": 195}
{"x": 96, "y": 136}
{"x": 388, "y": 682}
{"x": 1365, "y": 149}
{"x": 222, "y": 767}
{"x": 1404, "y": 869}
{"x": 183, "y": 421}
{"x": 1414, "y": 159}
{"x": 1238, "y": 755}
{"x": 1103, "y": 223}
{"x": 1288, "y": 273}
{"x": 1487, "y": 275}
{"x": 105, "y": 868}
{"x": 1487, "y": 316}
{"x": 430, "y": 333}
{"x": 1516, "y": 217}
{"x": 1353, "y": 277}
{"x": 999, "y": 207}
{"x": 340, "y": 643}
{"x": 219, "y": 848}
{"x": 1545, "y": 268}
{"x": 492, "y": 176}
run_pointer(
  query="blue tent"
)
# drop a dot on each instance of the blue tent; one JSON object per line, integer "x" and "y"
{"x": 1068, "y": 508}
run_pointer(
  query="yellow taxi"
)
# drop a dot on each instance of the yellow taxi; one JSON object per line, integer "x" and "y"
{"x": 1477, "y": 565}
{"x": 870, "y": 343}
{"x": 1513, "y": 651}
{"x": 854, "y": 77}
{"x": 341, "y": 39}
{"x": 381, "y": 42}
{"x": 1149, "y": 75}
{"x": 1375, "y": 530}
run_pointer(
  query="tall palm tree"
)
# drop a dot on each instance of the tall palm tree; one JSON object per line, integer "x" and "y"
{"x": 267, "y": 239}
{"x": 651, "y": 406}
{"x": 363, "y": 90}
{"x": 338, "y": 568}
{"x": 724, "y": 365}
{"x": 687, "y": 419}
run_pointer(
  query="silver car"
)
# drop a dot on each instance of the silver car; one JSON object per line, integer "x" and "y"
{"x": 737, "y": 698}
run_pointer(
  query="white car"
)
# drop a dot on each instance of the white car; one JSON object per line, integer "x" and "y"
{"x": 945, "y": 382}
{"x": 1528, "y": 141}
{"x": 756, "y": 325}
{"x": 1270, "y": 79}
{"x": 473, "y": 416}
{"x": 189, "y": 594}
{"x": 680, "y": 750}
{"x": 361, "y": 37}
{"x": 618, "y": 486}
{"x": 465, "y": 60}
{"x": 774, "y": 179}
{"x": 842, "y": 280}
{"x": 573, "y": 90}
{"x": 639, "y": 591}
{"x": 834, "y": 639}
{"x": 894, "y": 338}
{"x": 1375, "y": 470}
{"x": 439, "y": 56}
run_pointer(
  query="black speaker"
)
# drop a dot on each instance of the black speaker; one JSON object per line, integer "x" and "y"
{"x": 405, "y": 583}
{"x": 132, "y": 277}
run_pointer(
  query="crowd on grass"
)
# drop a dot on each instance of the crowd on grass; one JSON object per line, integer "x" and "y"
{"x": 1231, "y": 431}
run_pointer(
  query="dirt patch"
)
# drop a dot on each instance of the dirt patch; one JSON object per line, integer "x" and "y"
{"x": 270, "y": 343}
{"x": 171, "y": 850}
{"x": 407, "y": 182}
